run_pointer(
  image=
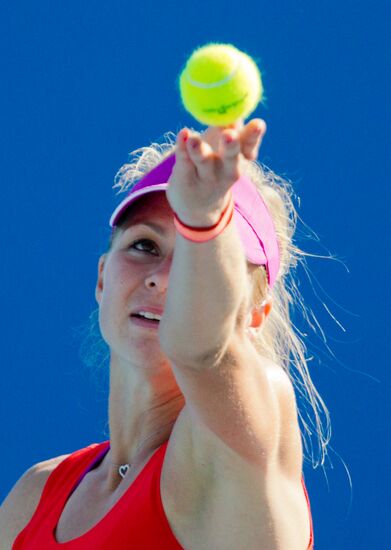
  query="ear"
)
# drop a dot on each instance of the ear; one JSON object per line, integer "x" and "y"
{"x": 259, "y": 314}
{"x": 99, "y": 283}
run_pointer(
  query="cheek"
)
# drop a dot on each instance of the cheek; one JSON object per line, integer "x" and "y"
{"x": 120, "y": 282}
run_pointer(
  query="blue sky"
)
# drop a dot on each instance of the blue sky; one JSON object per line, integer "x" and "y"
{"x": 85, "y": 83}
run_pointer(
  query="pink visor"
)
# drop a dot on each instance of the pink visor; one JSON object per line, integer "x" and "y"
{"x": 251, "y": 215}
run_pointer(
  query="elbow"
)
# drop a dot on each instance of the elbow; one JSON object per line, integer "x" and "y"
{"x": 194, "y": 351}
{"x": 173, "y": 345}
{"x": 173, "y": 342}
{"x": 202, "y": 339}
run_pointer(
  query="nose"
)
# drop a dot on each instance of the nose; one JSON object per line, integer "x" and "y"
{"x": 159, "y": 278}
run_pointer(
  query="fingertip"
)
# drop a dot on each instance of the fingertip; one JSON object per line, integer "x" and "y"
{"x": 182, "y": 138}
{"x": 259, "y": 125}
{"x": 194, "y": 142}
{"x": 184, "y": 135}
{"x": 230, "y": 142}
{"x": 229, "y": 135}
{"x": 237, "y": 125}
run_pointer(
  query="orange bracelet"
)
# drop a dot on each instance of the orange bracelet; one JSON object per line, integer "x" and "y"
{"x": 203, "y": 234}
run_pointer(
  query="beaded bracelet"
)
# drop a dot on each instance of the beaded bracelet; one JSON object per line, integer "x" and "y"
{"x": 203, "y": 234}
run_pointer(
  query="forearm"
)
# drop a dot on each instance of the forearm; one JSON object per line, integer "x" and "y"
{"x": 208, "y": 288}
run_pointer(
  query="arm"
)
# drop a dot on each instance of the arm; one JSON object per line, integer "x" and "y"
{"x": 205, "y": 295}
{"x": 240, "y": 407}
{"x": 19, "y": 506}
{"x": 209, "y": 287}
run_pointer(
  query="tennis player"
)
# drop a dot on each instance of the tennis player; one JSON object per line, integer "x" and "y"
{"x": 205, "y": 448}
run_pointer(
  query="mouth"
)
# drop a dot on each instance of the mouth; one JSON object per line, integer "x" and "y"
{"x": 143, "y": 321}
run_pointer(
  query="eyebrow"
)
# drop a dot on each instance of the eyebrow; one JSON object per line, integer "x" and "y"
{"x": 152, "y": 225}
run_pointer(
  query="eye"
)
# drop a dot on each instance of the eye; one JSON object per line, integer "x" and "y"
{"x": 150, "y": 244}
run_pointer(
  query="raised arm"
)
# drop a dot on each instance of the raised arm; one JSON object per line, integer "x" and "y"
{"x": 209, "y": 287}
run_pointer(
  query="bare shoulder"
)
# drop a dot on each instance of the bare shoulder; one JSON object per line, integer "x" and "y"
{"x": 19, "y": 506}
{"x": 237, "y": 440}
{"x": 290, "y": 451}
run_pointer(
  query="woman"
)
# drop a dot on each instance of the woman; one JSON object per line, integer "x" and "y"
{"x": 205, "y": 448}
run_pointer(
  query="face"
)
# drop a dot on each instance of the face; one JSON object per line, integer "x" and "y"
{"x": 135, "y": 273}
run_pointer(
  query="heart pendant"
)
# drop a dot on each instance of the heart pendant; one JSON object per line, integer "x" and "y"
{"x": 123, "y": 470}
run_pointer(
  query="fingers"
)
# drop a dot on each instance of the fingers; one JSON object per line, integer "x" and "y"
{"x": 181, "y": 140}
{"x": 202, "y": 155}
{"x": 210, "y": 164}
{"x": 230, "y": 147}
{"x": 251, "y": 138}
{"x": 250, "y": 134}
{"x": 197, "y": 153}
{"x": 184, "y": 163}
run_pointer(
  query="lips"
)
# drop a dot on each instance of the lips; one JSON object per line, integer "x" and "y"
{"x": 143, "y": 322}
{"x": 151, "y": 309}
{"x": 145, "y": 318}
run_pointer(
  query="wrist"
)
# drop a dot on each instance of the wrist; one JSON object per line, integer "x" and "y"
{"x": 200, "y": 220}
{"x": 207, "y": 232}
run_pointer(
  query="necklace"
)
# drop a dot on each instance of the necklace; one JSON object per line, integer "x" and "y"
{"x": 124, "y": 468}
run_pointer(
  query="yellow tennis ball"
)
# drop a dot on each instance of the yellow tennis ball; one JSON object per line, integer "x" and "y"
{"x": 220, "y": 84}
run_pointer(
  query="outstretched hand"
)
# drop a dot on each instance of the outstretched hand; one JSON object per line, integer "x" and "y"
{"x": 206, "y": 167}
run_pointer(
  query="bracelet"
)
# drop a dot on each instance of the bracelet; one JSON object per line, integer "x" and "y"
{"x": 203, "y": 234}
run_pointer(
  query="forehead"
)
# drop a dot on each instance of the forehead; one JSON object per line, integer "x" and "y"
{"x": 153, "y": 205}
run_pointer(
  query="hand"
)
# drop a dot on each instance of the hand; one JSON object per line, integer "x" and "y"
{"x": 206, "y": 167}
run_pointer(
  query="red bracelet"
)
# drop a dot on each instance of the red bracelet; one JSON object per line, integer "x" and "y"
{"x": 203, "y": 234}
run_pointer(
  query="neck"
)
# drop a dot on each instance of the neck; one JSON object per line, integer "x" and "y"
{"x": 143, "y": 408}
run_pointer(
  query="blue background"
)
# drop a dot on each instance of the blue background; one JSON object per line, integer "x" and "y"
{"x": 83, "y": 84}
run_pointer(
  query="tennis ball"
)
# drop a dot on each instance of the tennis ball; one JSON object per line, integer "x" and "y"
{"x": 220, "y": 84}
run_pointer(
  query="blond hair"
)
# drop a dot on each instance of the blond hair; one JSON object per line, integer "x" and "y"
{"x": 279, "y": 339}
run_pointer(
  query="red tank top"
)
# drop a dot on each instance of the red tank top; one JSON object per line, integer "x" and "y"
{"x": 137, "y": 520}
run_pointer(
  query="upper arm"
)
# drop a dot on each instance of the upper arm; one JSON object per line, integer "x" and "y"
{"x": 240, "y": 437}
{"x": 245, "y": 404}
{"x": 19, "y": 506}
